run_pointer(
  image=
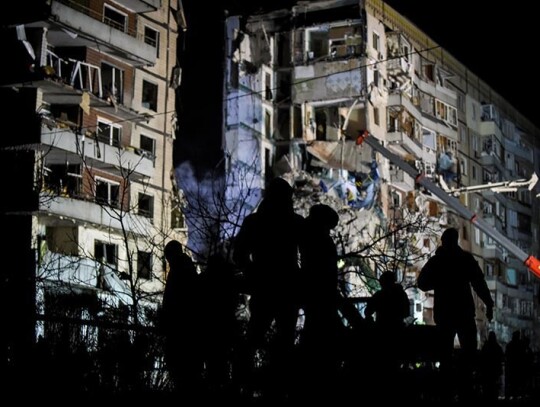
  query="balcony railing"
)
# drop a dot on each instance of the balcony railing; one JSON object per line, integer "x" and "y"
{"x": 112, "y": 36}
{"x": 100, "y": 154}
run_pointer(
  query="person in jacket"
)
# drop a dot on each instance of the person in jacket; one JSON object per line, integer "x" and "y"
{"x": 451, "y": 273}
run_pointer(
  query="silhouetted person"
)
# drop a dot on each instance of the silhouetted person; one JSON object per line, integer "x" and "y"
{"x": 515, "y": 367}
{"x": 220, "y": 329}
{"x": 267, "y": 247}
{"x": 451, "y": 273}
{"x": 181, "y": 320}
{"x": 391, "y": 306}
{"x": 320, "y": 277}
{"x": 491, "y": 367}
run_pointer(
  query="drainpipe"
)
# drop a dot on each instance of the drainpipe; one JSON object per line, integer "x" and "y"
{"x": 167, "y": 69}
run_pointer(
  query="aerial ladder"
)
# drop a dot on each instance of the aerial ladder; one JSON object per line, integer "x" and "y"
{"x": 530, "y": 261}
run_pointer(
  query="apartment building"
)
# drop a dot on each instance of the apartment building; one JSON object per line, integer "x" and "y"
{"x": 303, "y": 83}
{"x": 90, "y": 124}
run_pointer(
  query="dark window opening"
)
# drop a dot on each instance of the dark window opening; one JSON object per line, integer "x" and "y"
{"x": 149, "y": 95}
{"x": 114, "y": 18}
{"x": 105, "y": 253}
{"x": 151, "y": 37}
{"x": 113, "y": 83}
{"x": 144, "y": 265}
{"x": 107, "y": 193}
{"x": 146, "y": 205}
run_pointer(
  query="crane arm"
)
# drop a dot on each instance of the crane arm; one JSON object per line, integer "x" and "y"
{"x": 530, "y": 261}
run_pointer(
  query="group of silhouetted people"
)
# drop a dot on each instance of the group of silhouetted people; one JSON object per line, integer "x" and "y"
{"x": 276, "y": 250}
{"x": 286, "y": 263}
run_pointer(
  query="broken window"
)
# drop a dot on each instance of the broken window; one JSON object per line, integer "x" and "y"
{"x": 113, "y": 82}
{"x": 144, "y": 265}
{"x": 446, "y": 112}
{"x": 114, "y": 18}
{"x": 328, "y": 123}
{"x": 148, "y": 147}
{"x": 149, "y": 95}
{"x": 146, "y": 205}
{"x": 376, "y": 41}
{"x": 177, "y": 219}
{"x": 109, "y": 133}
{"x": 63, "y": 179}
{"x": 267, "y": 124}
{"x": 429, "y": 72}
{"x": 317, "y": 44}
{"x": 107, "y": 192}
{"x": 105, "y": 253}
{"x": 268, "y": 86}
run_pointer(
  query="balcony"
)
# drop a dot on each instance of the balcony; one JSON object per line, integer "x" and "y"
{"x": 82, "y": 272}
{"x": 97, "y": 154}
{"x": 403, "y": 145}
{"x": 401, "y": 180}
{"x": 81, "y": 212}
{"x": 140, "y": 6}
{"x": 518, "y": 150}
{"x": 439, "y": 92}
{"x": 399, "y": 68}
{"x": 71, "y": 25}
{"x": 426, "y": 120}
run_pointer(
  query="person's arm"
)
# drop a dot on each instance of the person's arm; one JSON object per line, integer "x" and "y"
{"x": 426, "y": 278}
{"x": 242, "y": 243}
{"x": 405, "y": 306}
{"x": 479, "y": 285}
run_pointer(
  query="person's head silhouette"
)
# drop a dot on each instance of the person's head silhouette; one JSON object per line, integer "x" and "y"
{"x": 323, "y": 216}
{"x": 173, "y": 251}
{"x": 387, "y": 279}
{"x": 278, "y": 196}
{"x": 450, "y": 238}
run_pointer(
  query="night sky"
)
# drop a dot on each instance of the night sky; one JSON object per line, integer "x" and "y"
{"x": 494, "y": 42}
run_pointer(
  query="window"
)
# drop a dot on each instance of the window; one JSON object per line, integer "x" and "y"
{"x": 462, "y": 134}
{"x": 376, "y": 41}
{"x": 489, "y": 270}
{"x": 465, "y": 233}
{"x": 148, "y": 146}
{"x": 144, "y": 265}
{"x": 177, "y": 219}
{"x": 114, "y": 18}
{"x": 105, "y": 253}
{"x": 107, "y": 192}
{"x": 113, "y": 82}
{"x": 463, "y": 166}
{"x": 477, "y": 235}
{"x": 461, "y": 102}
{"x": 151, "y": 37}
{"x": 146, "y": 205}
{"x": 376, "y": 118}
{"x": 109, "y": 133}
{"x": 267, "y": 165}
{"x": 473, "y": 172}
{"x": 268, "y": 86}
{"x": 446, "y": 112}
{"x": 267, "y": 124}
{"x": 149, "y": 95}
{"x": 317, "y": 46}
